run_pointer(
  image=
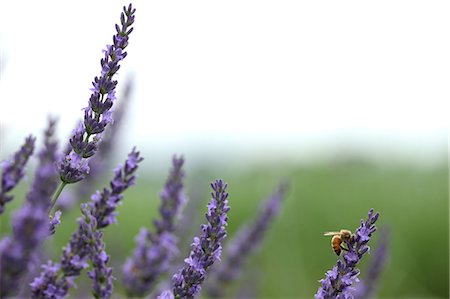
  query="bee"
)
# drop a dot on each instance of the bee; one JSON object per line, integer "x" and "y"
{"x": 338, "y": 238}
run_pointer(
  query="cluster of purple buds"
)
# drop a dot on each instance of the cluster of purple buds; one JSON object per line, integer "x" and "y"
{"x": 339, "y": 280}
{"x": 74, "y": 166}
{"x": 246, "y": 241}
{"x": 13, "y": 170}
{"x": 207, "y": 248}
{"x": 155, "y": 251}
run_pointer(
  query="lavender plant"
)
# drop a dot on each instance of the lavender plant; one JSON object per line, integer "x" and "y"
{"x": 246, "y": 241}
{"x": 206, "y": 249}
{"x": 339, "y": 280}
{"x": 56, "y": 278}
{"x": 74, "y": 166}
{"x": 31, "y": 223}
{"x": 155, "y": 251}
{"x": 13, "y": 170}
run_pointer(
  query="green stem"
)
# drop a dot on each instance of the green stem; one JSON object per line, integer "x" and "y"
{"x": 57, "y": 194}
{"x": 87, "y": 137}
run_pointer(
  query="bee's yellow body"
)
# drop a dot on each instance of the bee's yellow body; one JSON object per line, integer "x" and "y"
{"x": 338, "y": 238}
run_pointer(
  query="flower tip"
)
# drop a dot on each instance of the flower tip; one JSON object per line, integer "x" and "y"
{"x": 30, "y": 139}
{"x": 219, "y": 186}
{"x": 375, "y": 218}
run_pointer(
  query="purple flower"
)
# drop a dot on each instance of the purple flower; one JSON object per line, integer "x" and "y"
{"x": 105, "y": 202}
{"x": 30, "y": 224}
{"x": 166, "y": 295}
{"x": 74, "y": 167}
{"x": 246, "y": 241}
{"x": 99, "y": 162}
{"x": 207, "y": 248}
{"x": 368, "y": 286}
{"x": 172, "y": 197}
{"x": 101, "y": 274}
{"x": 75, "y": 254}
{"x": 338, "y": 281}
{"x": 13, "y": 170}
{"x": 49, "y": 277}
{"x": 54, "y": 222}
{"x": 155, "y": 251}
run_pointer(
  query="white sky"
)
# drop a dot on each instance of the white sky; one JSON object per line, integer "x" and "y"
{"x": 256, "y": 76}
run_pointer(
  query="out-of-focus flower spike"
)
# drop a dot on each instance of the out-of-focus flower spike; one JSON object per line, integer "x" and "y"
{"x": 172, "y": 197}
{"x": 338, "y": 281}
{"x": 206, "y": 248}
{"x": 247, "y": 241}
{"x": 155, "y": 251}
{"x": 13, "y": 170}
{"x": 30, "y": 224}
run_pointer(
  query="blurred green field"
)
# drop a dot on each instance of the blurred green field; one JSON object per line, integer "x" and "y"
{"x": 413, "y": 203}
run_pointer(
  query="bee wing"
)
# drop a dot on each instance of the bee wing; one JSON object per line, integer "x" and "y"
{"x": 331, "y": 233}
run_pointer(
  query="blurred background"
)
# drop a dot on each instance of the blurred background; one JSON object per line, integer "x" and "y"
{"x": 348, "y": 102}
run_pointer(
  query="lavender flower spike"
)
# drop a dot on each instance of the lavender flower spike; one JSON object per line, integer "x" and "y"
{"x": 207, "y": 248}
{"x": 99, "y": 162}
{"x": 74, "y": 167}
{"x": 101, "y": 274}
{"x": 368, "y": 286}
{"x": 14, "y": 170}
{"x": 30, "y": 224}
{"x": 246, "y": 241}
{"x": 56, "y": 278}
{"x": 338, "y": 281}
{"x": 155, "y": 251}
{"x": 172, "y": 197}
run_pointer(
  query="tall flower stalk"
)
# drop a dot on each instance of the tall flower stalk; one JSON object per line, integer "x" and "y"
{"x": 339, "y": 280}
{"x": 206, "y": 249}
{"x": 31, "y": 223}
{"x": 56, "y": 278}
{"x": 86, "y": 137}
{"x": 99, "y": 162}
{"x": 155, "y": 251}
{"x": 247, "y": 241}
{"x": 13, "y": 170}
